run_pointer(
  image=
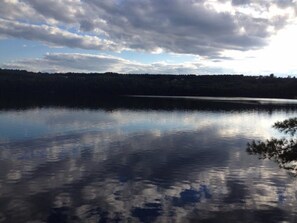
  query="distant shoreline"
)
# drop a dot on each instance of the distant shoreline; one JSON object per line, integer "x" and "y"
{"x": 224, "y": 99}
{"x": 19, "y": 85}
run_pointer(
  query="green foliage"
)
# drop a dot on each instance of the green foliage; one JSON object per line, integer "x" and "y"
{"x": 287, "y": 126}
{"x": 283, "y": 151}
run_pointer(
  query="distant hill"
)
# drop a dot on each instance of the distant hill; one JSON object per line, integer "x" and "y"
{"x": 17, "y": 84}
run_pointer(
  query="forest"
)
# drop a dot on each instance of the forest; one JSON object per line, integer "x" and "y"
{"x": 19, "y": 84}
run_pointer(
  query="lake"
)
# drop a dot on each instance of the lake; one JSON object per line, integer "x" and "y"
{"x": 143, "y": 160}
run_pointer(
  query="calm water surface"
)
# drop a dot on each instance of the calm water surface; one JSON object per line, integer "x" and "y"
{"x": 141, "y": 165}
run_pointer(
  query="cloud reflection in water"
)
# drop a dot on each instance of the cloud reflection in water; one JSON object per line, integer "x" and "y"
{"x": 140, "y": 166}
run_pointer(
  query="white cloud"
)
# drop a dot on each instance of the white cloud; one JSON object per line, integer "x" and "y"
{"x": 64, "y": 11}
{"x": 53, "y": 36}
{"x": 14, "y": 10}
{"x": 62, "y": 62}
{"x": 228, "y": 35}
{"x": 277, "y": 58}
{"x": 205, "y": 28}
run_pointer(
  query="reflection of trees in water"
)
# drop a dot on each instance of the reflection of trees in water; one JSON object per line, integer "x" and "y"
{"x": 284, "y": 150}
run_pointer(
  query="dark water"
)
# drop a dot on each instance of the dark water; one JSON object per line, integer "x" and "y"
{"x": 142, "y": 163}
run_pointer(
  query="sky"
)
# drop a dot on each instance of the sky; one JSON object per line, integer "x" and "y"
{"x": 251, "y": 37}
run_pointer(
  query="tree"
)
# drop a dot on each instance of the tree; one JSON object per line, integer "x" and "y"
{"x": 283, "y": 151}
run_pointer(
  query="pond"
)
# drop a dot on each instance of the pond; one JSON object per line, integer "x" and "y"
{"x": 143, "y": 160}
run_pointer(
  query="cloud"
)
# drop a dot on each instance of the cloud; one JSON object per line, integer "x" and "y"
{"x": 97, "y": 165}
{"x": 181, "y": 28}
{"x": 14, "y": 10}
{"x": 240, "y": 2}
{"x": 67, "y": 11}
{"x": 53, "y": 36}
{"x": 63, "y": 62}
{"x": 198, "y": 27}
{"x": 285, "y": 3}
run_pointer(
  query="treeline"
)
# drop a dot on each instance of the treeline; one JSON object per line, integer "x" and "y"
{"x": 18, "y": 84}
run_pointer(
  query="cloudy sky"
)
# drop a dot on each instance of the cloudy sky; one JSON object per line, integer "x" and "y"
{"x": 150, "y": 36}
